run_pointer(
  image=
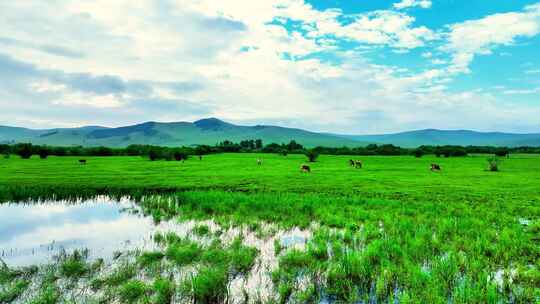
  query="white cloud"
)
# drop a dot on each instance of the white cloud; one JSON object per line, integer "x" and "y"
{"x": 412, "y": 3}
{"x": 437, "y": 61}
{"x": 522, "y": 92}
{"x": 235, "y": 61}
{"x": 479, "y": 37}
{"x": 378, "y": 28}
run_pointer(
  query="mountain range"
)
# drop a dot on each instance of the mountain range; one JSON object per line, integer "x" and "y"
{"x": 212, "y": 130}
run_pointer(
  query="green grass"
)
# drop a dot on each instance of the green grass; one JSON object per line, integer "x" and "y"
{"x": 393, "y": 230}
{"x": 390, "y": 177}
{"x": 13, "y": 291}
{"x": 74, "y": 266}
{"x": 133, "y": 291}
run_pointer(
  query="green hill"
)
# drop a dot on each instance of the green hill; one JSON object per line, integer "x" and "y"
{"x": 451, "y": 137}
{"x": 211, "y": 131}
{"x": 206, "y": 131}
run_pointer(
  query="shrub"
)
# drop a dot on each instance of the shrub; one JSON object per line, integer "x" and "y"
{"x": 179, "y": 155}
{"x": 502, "y": 152}
{"x": 153, "y": 154}
{"x": 312, "y": 155}
{"x": 493, "y": 164}
{"x": 24, "y": 151}
{"x": 418, "y": 153}
{"x": 43, "y": 153}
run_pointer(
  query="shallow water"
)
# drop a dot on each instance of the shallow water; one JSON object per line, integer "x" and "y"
{"x": 34, "y": 233}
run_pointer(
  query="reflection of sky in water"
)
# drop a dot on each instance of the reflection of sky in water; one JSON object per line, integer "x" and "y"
{"x": 34, "y": 233}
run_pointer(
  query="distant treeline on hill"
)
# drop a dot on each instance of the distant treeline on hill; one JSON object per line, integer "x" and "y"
{"x": 250, "y": 146}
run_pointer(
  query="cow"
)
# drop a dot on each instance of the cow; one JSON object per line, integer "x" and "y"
{"x": 435, "y": 167}
{"x": 259, "y": 161}
{"x": 82, "y": 161}
{"x": 355, "y": 163}
{"x": 305, "y": 169}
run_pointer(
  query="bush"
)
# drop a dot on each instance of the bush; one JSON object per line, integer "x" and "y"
{"x": 24, "y": 151}
{"x": 153, "y": 154}
{"x": 502, "y": 152}
{"x": 179, "y": 155}
{"x": 493, "y": 164}
{"x": 418, "y": 153}
{"x": 43, "y": 153}
{"x": 312, "y": 155}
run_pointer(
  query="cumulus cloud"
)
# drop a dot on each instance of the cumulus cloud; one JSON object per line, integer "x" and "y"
{"x": 412, "y": 3}
{"x": 481, "y": 36}
{"x": 271, "y": 61}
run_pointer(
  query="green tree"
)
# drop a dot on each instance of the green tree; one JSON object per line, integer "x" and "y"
{"x": 312, "y": 155}
{"x": 25, "y": 151}
{"x": 43, "y": 152}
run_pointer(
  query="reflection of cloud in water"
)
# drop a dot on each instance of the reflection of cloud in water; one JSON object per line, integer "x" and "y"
{"x": 34, "y": 233}
{"x": 16, "y": 219}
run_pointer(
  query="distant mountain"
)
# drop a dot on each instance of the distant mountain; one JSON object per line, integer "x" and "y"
{"x": 450, "y": 137}
{"x": 205, "y": 131}
{"x": 212, "y": 130}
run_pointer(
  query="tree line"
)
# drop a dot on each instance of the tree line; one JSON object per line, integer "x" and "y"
{"x": 26, "y": 150}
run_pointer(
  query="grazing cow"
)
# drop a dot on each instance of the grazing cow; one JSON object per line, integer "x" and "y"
{"x": 82, "y": 161}
{"x": 305, "y": 169}
{"x": 355, "y": 163}
{"x": 435, "y": 167}
{"x": 259, "y": 161}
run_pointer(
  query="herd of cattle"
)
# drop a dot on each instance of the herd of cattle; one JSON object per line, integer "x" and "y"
{"x": 307, "y": 169}
{"x": 352, "y": 162}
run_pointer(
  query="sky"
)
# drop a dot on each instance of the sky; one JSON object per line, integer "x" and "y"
{"x": 354, "y": 67}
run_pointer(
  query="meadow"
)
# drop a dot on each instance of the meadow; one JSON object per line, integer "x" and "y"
{"x": 391, "y": 232}
{"x": 390, "y": 177}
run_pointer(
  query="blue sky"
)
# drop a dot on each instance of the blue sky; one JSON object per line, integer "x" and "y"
{"x": 338, "y": 66}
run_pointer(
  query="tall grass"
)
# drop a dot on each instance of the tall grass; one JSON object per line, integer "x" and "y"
{"x": 431, "y": 239}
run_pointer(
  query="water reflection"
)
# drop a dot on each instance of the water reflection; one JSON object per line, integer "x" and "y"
{"x": 34, "y": 233}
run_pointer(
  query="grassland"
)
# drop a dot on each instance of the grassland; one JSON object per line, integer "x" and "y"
{"x": 393, "y": 231}
{"x": 390, "y": 177}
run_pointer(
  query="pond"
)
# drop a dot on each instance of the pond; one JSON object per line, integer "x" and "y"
{"x": 33, "y": 233}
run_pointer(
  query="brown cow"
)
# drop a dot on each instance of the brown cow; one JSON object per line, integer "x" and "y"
{"x": 357, "y": 164}
{"x": 435, "y": 167}
{"x": 305, "y": 169}
{"x": 82, "y": 161}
